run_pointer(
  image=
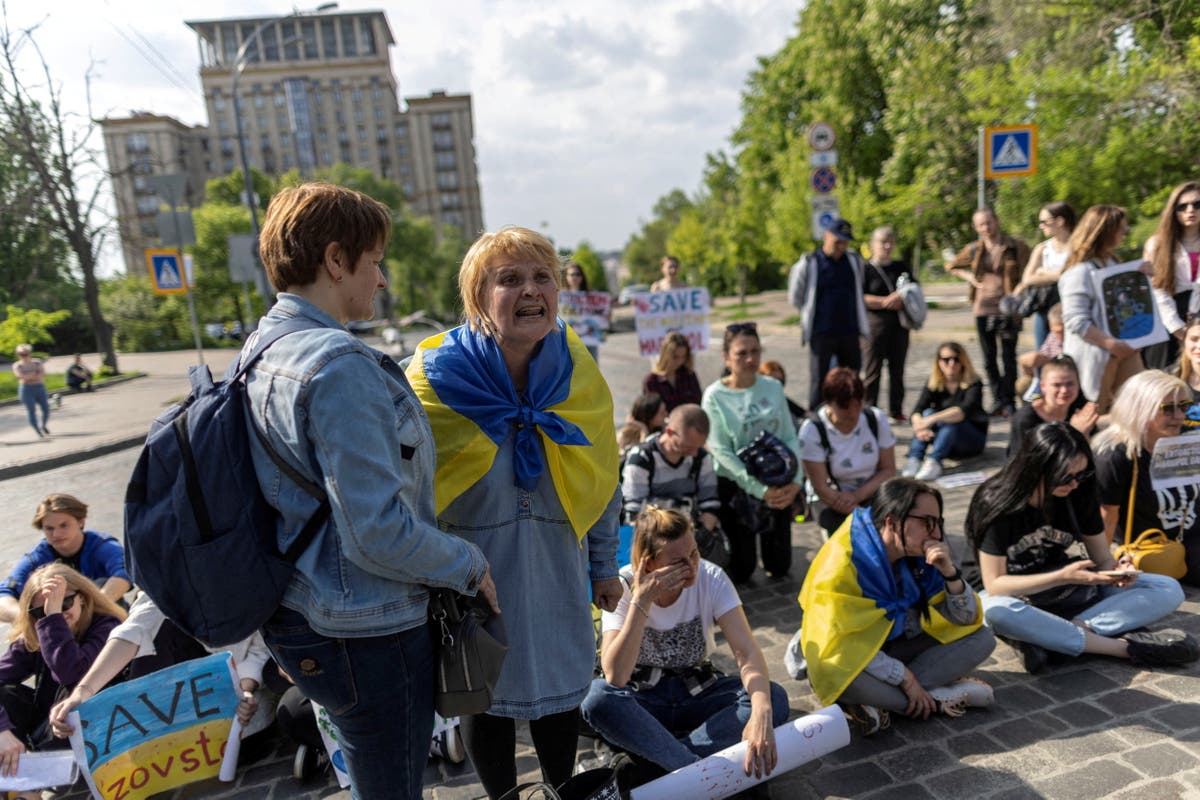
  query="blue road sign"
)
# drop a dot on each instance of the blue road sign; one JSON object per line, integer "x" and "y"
{"x": 1011, "y": 151}
{"x": 166, "y": 272}
{"x": 823, "y": 180}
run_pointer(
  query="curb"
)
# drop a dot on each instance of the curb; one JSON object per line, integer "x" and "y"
{"x": 64, "y": 459}
{"x": 124, "y": 378}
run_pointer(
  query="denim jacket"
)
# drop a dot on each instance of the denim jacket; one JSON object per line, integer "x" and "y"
{"x": 338, "y": 417}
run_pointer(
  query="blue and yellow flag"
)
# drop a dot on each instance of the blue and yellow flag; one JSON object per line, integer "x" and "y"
{"x": 853, "y": 604}
{"x": 461, "y": 379}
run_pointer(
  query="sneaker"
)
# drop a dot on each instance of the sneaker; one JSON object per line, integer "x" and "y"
{"x": 955, "y": 698}
{"x": 911, "y": 467}
{"x": 1034, "y": 657}
{"x": 930, "y": 470}
{"x": 45, "y": 430}
{"x": 1162, "y": 648}
{"x": 448, "y": 746}
{"x": 867, "y": 720}
{"x": 898, "y": 419}
{"x": 633, "y": 771}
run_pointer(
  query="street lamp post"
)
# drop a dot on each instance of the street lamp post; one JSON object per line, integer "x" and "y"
{"x": 239, "y": 64}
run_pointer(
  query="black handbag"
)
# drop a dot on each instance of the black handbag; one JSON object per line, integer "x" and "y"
{"x": 469, "y": 643}
{"x": 769, "y": 460}
{"x": 713, "y": 545}
{"x": 1037, "y": 299}
{"x": 592, "y": 784}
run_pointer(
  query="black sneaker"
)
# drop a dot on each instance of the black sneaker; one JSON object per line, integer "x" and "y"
{"x": 1162, "y": 648}
{"x": 1034, "y": 657}
{"x": 633, "y": 771}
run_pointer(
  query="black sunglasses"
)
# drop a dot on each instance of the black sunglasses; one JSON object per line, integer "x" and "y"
{"x": 1190, "y": 205}
{"x": 1076, "y": 477}
{"x": 1181, "y": 406}
{"x": 932, "y": 523}
{"x": 949, "y": 359}
{"x": 40, "y": 611}
{"x": 737, "y": 328}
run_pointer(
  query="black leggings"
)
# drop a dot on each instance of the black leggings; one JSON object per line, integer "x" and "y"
{"x": 491, "y": 743}
{"x": 746, "y": 520}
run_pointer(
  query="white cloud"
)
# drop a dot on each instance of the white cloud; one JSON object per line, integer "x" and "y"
{"x": 585, "y": 113}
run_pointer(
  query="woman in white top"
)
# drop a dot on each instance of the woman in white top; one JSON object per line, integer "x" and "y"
{"x": 1046, "y": 262}
{"x": 1174, "y": 252}
{"x": 1104, "y": 360}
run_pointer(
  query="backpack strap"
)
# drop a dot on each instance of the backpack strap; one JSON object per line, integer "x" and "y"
{"x": 883, "y": 276}
{"x": 280, "y": 330}
{"x": 872, "y": 422}
{"x": 826, "y": 446}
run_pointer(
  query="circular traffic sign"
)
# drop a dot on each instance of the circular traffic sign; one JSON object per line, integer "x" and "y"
{"x": 820, "y": 136}
{"x": 823, "y": 180}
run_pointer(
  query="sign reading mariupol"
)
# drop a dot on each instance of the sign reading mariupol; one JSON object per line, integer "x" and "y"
{"x": 659, "y": 313}
{"x": 167, "y": 729}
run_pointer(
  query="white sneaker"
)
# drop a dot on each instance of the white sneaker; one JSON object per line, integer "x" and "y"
{"x": 954, "y": 699}
{"x": 930, "y": 470}
{"x": 911, "y": 467}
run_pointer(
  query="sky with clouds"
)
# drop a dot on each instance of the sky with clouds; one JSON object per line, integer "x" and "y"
{"x": 585, "y": 112}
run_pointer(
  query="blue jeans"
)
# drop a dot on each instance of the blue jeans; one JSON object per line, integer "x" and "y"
{"x": 378, "y": 691}
{"x": 1150, "y": 598}
{"x": 644, "y": 722}
{"x": 34, "y": 395}
{"x": 957, "y": 439}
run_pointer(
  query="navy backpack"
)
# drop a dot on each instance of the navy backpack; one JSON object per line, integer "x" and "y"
{"x": 199, "y": 535}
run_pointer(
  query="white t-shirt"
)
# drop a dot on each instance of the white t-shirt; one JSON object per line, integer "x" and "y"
{"x": 679, "y": 635}
{"x": 855, "y": 455}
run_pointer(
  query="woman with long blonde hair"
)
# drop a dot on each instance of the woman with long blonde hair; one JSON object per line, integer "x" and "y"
{"x": 948, "y": 419}
{"x": 1104, "y": 361}
{"x": 63, "y": 622}
{"x": 673, "y": 376}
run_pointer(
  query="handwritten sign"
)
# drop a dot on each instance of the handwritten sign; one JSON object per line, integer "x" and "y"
{"x": 587, "y": 313}
{"x": 679, "y": 310}
{"x": 167, "y": 729}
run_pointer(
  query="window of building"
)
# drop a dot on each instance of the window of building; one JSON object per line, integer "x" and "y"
{"x": 136, "y": 143}
{"x": 222, "y": 123}
{"x": 445, "y": 160}
{"x": 329, "y": 48}
{"x": 344, "y": 153}
{"x": 259, "y": 101}
{"x": 407, "y": 185}
{"x": 286, "y": 158}
{"x": 447, "y": 180}
{"x": 326, "y": 158}
{"x": 337, "y": 91}
{"x": 252, "y": 50}
{"x": 401, "y": 130}
{"x": 381, "y": 136}
{"x": 270, "y": 43}
{"x": 218, "y": 101}
{"x": 405, "y": 170}
{"x": 291, "y": 42}
{"x": 280, "y": 99}
{"x": 308, "y": 34}
{"x": 364, "y": 155}
{"x": 323, "y": 136}
{"x": 440, "y": 120}
{"x": 316, "y": 95}
{"x": 368, "y": 36}
{"x": 357, "y": 95}
{"x": 285, "y": 139}
{"x": 376, "y": 90}
{"x": 349, "y": 37}
{"x": 402, "y": 149}
{"x": 362, "y": 133}
{"x": 264, "y": 142}
{"x": 359, "y": 116}
{"x": 454, "y": 218}
{"x": 343, "y": 137}
{"x": 229, "y": 44}
{"x": 340, "y": 117}
{"x": 281, "y": 120}
{"x": 443, "y": 140}
{"x": 379, "y": 115}
{"x": 450, "y": 201}
{"x": 228, "y": 166}
{"x": 139, "y": 183}
{"x": 226, "y": 145}
{"x": 147, "y": 204}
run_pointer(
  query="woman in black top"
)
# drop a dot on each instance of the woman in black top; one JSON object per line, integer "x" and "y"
{"x": 948, "y": 419}
{"x": 888, "y": 339}
{"x": 1060, "y": 401}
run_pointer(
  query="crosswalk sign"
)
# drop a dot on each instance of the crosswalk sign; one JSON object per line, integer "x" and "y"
{"x": 166, "y": 271}
{"x": 1010, "y": 151}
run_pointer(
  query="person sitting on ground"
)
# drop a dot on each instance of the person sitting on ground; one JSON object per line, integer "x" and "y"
{"x": 1031, "y": 362}
{"x": 773, "y": 369}
{"x": 671, "y": 469}
{"x": 1025, "y": 523}
{"x": 1060, "y": 400}
{"x": 134, "y": 640}
{"x": 61, "y": 518}
{"x": 948, "y": 420}
{"x": 650, "y": 410}
{"x": 890, "y": 626}
{"x": 61, "y": 624}
{"x": 673, "y": 377}
{"x": 848, "y": 449}
{"x": 1188, "y": 370}
{"x": 1149, "y": 407}
{"x": 660, "y": 698}
{"x": 79, "y": 377}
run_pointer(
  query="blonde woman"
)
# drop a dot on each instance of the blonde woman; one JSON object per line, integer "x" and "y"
{"x": 673, "y": 377}
{"x": 1174, "y": 253}
{"x": 948, "y": 419}
{"x": 31, "y": 387}
{"x": 62, "y": 624}
{"x": 1104, "y": 361}
{"x": 1151, "y": 406}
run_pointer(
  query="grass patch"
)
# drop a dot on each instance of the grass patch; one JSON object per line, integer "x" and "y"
{"x": 794, "y": 319}
{"x": 733, "y": 304}
{"x": 737, "y": 314}
{"x": 54, "y": 383}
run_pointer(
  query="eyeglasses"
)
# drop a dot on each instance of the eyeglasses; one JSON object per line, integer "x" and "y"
{"x": 1076, "y": 477}
{"x": 1179, "y": 407}
{"x": 738, "y": 328}
{"x": 1190, "y": 205}
{"x": 932, "y": 523}
{"x": 1049, "y": 221}
{"x": 948, "y": 359}
{"x": 40, "y": 611}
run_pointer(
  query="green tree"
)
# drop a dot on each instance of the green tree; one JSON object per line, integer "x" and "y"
{"x": 593, "y": 270}
{"x": 644, "y": 251}
{"x": 30, "y": 326}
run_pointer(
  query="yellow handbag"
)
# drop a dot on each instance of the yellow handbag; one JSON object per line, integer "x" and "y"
{"x": 1152, "y": 551}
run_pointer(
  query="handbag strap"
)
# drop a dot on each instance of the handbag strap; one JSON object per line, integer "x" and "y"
{"x": 1132, "y": 495}
{"x": 886, "y": 281}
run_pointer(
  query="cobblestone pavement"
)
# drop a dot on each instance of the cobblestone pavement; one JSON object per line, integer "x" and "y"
{"x": 1091, "y": 728}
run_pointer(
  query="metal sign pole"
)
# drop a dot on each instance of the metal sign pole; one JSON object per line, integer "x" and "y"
{"x": 982, "y": 200}
{"x": 191, "y": 302}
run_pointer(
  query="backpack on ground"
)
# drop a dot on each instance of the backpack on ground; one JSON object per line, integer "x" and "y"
{"x": 199, "y": 534}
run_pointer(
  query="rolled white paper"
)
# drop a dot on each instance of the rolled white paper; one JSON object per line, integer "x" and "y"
{"x": 233, "y": 746}
{"x": 722, "y": 774}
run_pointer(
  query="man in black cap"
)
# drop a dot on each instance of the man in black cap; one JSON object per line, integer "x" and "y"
{"x": 826, "y": 285}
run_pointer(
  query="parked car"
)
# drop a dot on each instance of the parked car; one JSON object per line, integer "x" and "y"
{"x": 627, "y": 293}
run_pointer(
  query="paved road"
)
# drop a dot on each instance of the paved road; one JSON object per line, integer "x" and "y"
{"x": 1092, "y": 728}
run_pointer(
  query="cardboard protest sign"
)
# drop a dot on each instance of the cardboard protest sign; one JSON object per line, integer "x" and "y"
{"x": 1127, "y": 304}
{"x": 587, "y": 313}
{"x": 679, "y": 310}
{"x": 167, "y": 729}
{"x": 1175, "y": 463}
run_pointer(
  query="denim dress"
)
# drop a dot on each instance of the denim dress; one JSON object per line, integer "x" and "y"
{"x": 542, "y": 573}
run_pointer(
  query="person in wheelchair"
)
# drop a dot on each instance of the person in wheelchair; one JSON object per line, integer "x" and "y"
{"x": 671, "y": 469}
{"x": 661, "y": 699}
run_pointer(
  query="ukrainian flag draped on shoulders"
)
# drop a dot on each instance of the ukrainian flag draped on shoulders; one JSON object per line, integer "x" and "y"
{"x": 461, "y": 380}
{"x": 854, "y": 602}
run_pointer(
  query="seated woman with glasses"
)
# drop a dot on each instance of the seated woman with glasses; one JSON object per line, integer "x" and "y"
{"x": 1060, "y": 400}
{"x": 890, "y": 626}
{"x": 1150, "y": 406}
{"x": 62, "y": 623}
{"x": 1026, "y": 524}
{"x": 948, "y": 420}
{"x": 1189, "y": 370}
{"x": 848, "y": 449}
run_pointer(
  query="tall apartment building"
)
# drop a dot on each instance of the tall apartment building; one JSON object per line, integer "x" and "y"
{"x": 316, "y": 90}
{"x": 145, "y": 144}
